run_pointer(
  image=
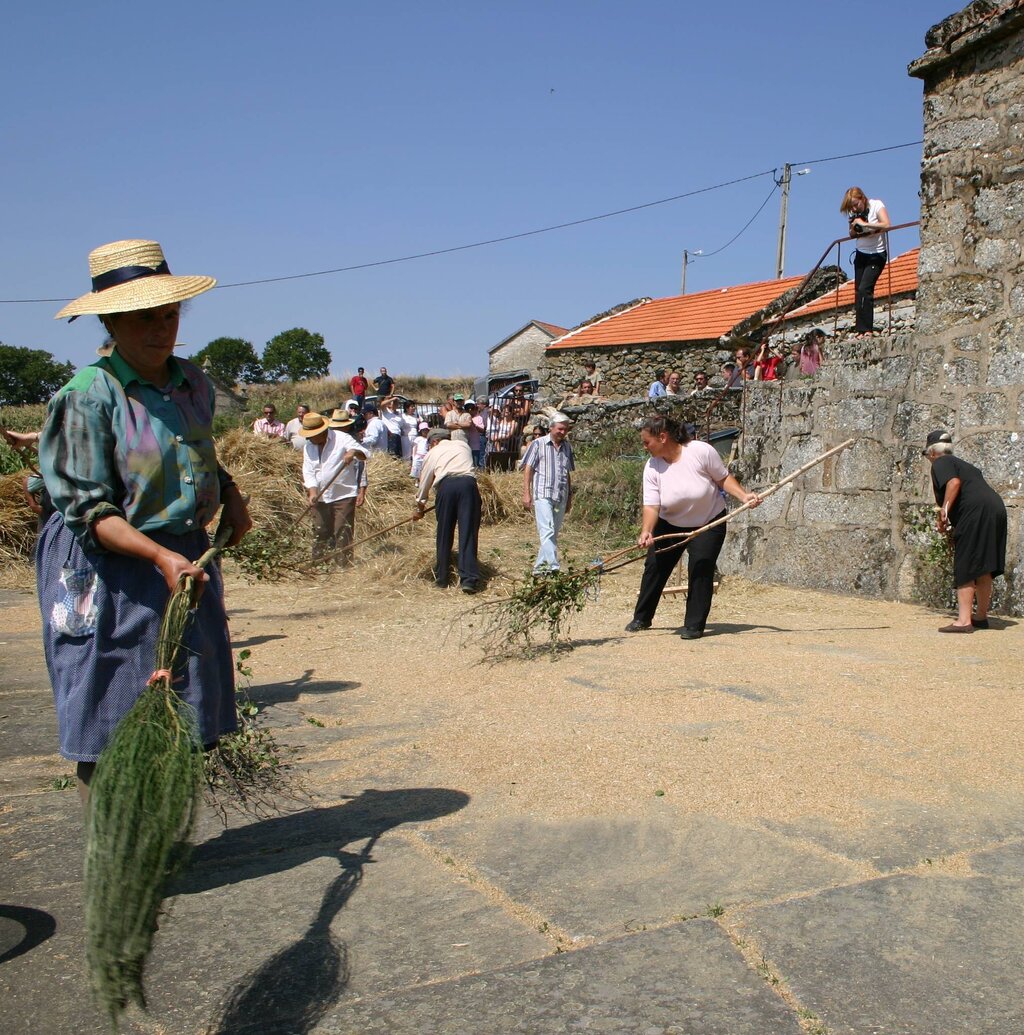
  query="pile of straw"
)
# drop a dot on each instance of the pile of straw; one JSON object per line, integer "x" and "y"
{"x": 17, "y": 522}
{"x": 268, "y": 472}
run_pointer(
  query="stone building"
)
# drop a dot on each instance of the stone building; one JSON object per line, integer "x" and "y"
{"x": 849, "y": 524}
{"x": 681, "y": 333}
{"x": 524, "y": 349}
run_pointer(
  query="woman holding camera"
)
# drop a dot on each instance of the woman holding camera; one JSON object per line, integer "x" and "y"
{"x": 868, "y": 223}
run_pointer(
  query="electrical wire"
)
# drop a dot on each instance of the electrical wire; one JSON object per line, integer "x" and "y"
{"x": 531, "y": 233}
{"x": 746, "y": 226}
{"x": 859, "y": 154}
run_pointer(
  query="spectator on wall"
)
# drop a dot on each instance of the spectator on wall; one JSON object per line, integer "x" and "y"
{"x": 384, "y": 382}
{"x": 700, "y": 382}
{"x": 657, "y": 389}
{"x": 359, "y": 386}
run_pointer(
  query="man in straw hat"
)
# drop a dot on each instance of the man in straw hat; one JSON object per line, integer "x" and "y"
{"x": 547, "y": 487}
{"x": 128, "y": 458}
{"x": 334, "y": 476}
{"x": 449, "y": 469}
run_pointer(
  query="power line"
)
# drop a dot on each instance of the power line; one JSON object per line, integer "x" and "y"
{"x": 509, "y": 237}
{"x": 858, "y": 154}
{"x": 746, "y": 226}
{"x": 531, "y": 233}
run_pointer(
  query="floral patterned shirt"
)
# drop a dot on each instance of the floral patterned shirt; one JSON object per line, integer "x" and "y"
{"x": 114, "y": 443}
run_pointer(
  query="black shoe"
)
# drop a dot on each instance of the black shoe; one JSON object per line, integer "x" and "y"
{"x": 440, "y": 585}
{"x": 690, "y": 634}
{"x": 980, "y": 623}
{"x": 636, "y": 626}
{"x": 469, "y": 587}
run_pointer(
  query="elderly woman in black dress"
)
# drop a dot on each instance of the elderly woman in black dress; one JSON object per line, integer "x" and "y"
{"x": 973, "y": 510}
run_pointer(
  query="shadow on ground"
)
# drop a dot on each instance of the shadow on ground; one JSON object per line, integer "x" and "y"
{"x": 289, "y": 993}
{"x": 291, "y": 689}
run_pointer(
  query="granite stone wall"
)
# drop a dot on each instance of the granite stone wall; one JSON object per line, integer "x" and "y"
{"x": 603, "y": 417}
{"x": 627, "y": 371}
{"x": 900, "y": 317}
{"x": 846, "y": 525}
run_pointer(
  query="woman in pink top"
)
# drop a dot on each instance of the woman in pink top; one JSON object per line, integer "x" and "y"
{"x": 684, "y": 485}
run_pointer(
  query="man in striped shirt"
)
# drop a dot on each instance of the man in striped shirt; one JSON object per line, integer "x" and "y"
{"x": 547, "y": 488}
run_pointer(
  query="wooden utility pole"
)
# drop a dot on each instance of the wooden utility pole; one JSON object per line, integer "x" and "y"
{"x": 780, "y": 258}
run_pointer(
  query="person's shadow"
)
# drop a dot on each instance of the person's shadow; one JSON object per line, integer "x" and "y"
{"x": 290, "y": 992}
{"x": 265, "y": 694}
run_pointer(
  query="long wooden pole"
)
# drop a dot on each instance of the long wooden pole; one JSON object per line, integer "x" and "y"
{"x": 682, "y": 538}
{"x": 351, "y": 547}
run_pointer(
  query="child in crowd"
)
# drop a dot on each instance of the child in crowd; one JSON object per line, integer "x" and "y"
{"x": 419, "y": 448}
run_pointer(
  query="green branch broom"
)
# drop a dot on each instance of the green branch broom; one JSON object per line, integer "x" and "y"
{"x": 142, "y": 806}
{"x": 545, "y": 602}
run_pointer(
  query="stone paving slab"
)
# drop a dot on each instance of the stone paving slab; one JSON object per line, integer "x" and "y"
{"x": 45, "y": 991}
{"x": 902, "y": 834}
{"x": 287, "y": 943}
{"x": 42, "y": 839}
{"x": 903, "y": 955}
{"x": 605, "y": 876}
{"x": 683, "y": 980}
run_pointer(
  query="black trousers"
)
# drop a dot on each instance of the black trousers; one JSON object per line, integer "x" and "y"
{"x": 701, "y": 555}
{"x": 457, "y": 502}
{"x": 866, "y": 270}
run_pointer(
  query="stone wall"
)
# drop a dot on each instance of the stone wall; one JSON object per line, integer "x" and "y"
{"x": 845, "y": 525}
{"x": 603, "y": 417}
{"x": 627, "y": 371}
{"x": 901, "y": 318}
{"x": 524, "y": 351}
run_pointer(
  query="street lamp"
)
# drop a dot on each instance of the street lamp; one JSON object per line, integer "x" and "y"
{"x": 686, "y": 262}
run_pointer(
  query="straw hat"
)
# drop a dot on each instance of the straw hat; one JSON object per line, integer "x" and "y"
{"x": 342, "y": 419}
{"x": 314, "y": 424}
{"x": 130, "y": 275}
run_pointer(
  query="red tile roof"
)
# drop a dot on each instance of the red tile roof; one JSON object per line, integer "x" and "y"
{"x": 699, "y": 317}
{"x": 898, "y": 278}
{"x": 551, "y": 328}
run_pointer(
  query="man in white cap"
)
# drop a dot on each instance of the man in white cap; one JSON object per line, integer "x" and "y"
{"x": 334, "y": 483}
{"x": 547, "y": 487}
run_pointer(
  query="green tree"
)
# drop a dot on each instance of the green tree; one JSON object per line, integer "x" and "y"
{"x": 30, "y": 375}
{"x": 231, "y": 360}
{"x": 296, "y": 355}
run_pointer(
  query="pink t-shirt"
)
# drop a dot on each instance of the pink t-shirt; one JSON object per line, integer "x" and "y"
{"x": 686, "y": 492}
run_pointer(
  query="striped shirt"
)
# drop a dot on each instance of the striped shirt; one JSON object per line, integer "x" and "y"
{"x": 551, "y": 467}
{"x": 114, "y": 443}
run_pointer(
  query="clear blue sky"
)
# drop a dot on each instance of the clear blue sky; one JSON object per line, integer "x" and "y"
{"x": 264, "y": 139}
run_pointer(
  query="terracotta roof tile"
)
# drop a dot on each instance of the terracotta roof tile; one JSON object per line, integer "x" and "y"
{"x": 702, "y": 316}
{"x": 898, "y": 278}
{"x": 551, "y": 328}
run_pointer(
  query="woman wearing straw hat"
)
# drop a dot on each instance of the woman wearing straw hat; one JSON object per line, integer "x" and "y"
{"x": 975, "y": 515}
{"x": 127, "y": 455}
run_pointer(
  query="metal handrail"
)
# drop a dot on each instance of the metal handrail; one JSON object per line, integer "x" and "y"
{"x": 713, "y": 405}
{"x": 824, "y": 255}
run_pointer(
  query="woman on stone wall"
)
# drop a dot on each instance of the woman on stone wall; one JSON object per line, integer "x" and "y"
{"x": 868, "y": 223}
{"x": 973, "y": 512}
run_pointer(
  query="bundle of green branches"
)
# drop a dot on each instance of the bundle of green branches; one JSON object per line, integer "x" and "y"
{"x": 142, "y": 806}
{"x": 245, "y": 770}
{"x": 537, "y": 615}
